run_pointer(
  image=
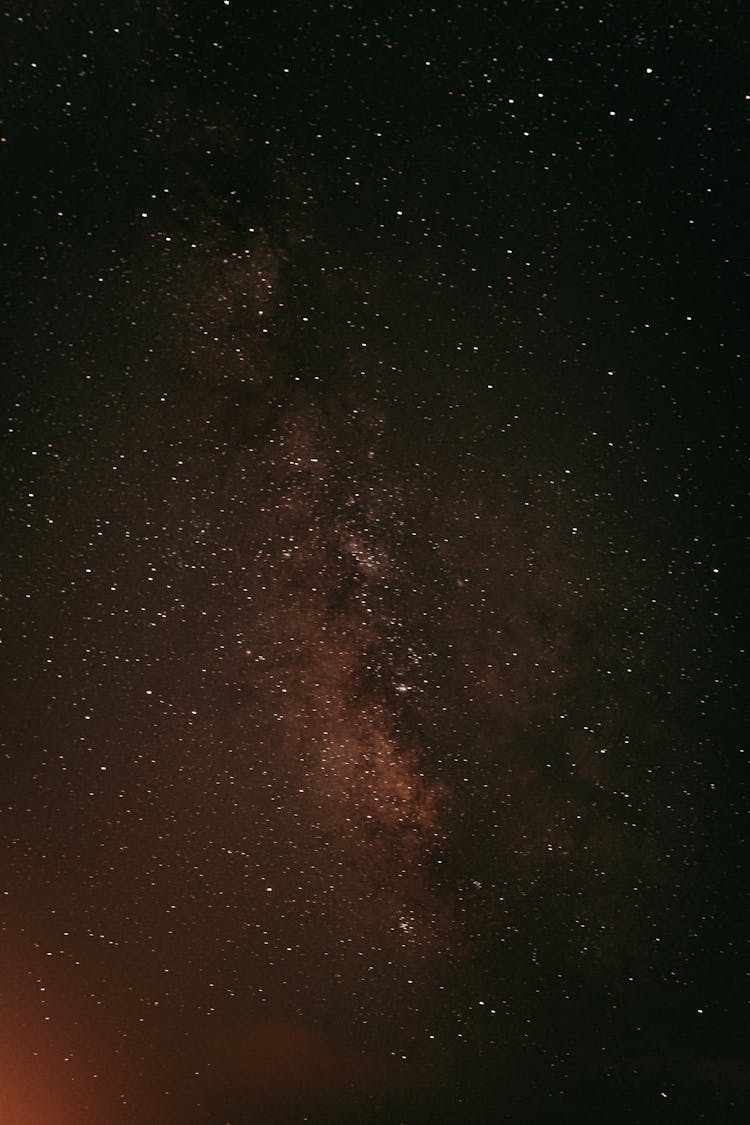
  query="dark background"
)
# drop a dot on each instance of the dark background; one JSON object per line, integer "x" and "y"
{"x": 373, "y": 563}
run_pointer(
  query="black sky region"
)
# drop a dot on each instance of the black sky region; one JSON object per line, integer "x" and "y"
{"x": 373, "y": 592}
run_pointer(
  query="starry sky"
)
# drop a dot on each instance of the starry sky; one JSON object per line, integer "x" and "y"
{"x": 373, "y": 593}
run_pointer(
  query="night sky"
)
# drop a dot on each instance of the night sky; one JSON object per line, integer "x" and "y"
{"x": 373, "y": 599}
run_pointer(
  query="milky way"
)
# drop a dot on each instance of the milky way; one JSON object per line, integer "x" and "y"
{"x": 371, "y": 745}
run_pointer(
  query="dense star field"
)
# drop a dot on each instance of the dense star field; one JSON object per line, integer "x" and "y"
{"x": 374, "y": 486}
